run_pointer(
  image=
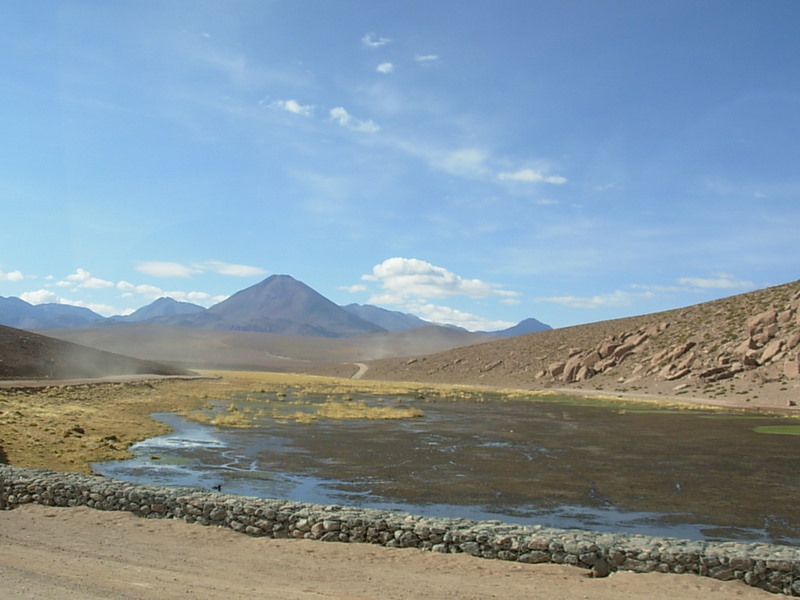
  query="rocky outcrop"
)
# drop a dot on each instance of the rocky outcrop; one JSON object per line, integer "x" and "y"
{"x": 764, "y": 339}
{"x": 752, "y": 338}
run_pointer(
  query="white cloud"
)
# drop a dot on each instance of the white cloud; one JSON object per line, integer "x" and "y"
{"x": 150, "y": 292}
{"x": 385, "y": 68}
{"x": 101, "y": 309}
{"x": 11, "y": 276}
{"x": 402, "y": 279}
{"x": 294, "y": 107}
{"x": 50, "y": 297}
{"x": 370, "y": 40}
{"x": 531, "y": 176}
{"x": 165, "y": 269}
{"x": 230, "y": 269}
{"x": 452, "y": 316}
{"x": 719, "y": 281}
{"x": 201, "y": 298}
{"x": 39, "y": 297}
{"x": 426, "y": 58}
{"x": 81, "y": 278}
{"x": 345, "y": 119}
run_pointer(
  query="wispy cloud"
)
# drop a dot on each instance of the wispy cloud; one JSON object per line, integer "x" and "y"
{"x": 165, "y": 269}
{"x": 531, "y": 176}
{"x": 354, "y": 288}
{"x": 642, "y": 291}
{"x": 719, "y": 281}
{"x": 613, "y": 299}
{"x": 294, "y": 107}
{"x": 475, "y": 162}
{"x": 468, "y": 162}
{"x": 385, "y": 68}
{"x": 234, "y": 270}
{"x": 173, "y": 269}
{"x": 345, "y": 119}
{"x": 426, "y": 58}
{"x": 370, "y": 40}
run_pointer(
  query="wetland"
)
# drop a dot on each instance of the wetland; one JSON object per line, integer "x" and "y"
{"x": 560, "y": 461}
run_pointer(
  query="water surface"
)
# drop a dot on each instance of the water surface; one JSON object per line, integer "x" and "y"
{"x": 692, "y": 474}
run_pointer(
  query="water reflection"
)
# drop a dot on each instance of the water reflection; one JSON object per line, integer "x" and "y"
{"x": 658, "y": 473}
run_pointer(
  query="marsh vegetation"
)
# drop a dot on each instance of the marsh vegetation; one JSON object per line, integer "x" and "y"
{"x": 600, "y": 463}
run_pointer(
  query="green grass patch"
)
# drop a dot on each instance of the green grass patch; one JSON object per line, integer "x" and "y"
{"x": 778, "y": 429}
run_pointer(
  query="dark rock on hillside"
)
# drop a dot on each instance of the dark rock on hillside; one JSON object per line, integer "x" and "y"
{"x": 281, "y": 304}
{"x": 390, "y": 320}
{"x": 15, "y": 312}
{"x": 26, "y": 355}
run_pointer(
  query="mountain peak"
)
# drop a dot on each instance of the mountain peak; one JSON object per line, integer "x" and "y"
{"x": 282, "y": 304}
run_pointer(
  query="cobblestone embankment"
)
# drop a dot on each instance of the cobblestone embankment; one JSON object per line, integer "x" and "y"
{"x": 771, "y": 567}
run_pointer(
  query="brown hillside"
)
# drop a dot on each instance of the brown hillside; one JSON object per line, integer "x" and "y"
{"x": 745, "y": 345}
{"x": 26, "y": 355}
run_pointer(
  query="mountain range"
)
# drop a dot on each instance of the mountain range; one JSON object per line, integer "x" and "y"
{"x": 280, "y": 304}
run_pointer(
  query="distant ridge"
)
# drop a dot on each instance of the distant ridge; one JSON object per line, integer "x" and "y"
{"x": 161, "y": 310}
{"x": 279, "y": 304}
{"x": 390, "y": 320}
{"x": 522, "y": 328}
{"x": 15, "y": 312}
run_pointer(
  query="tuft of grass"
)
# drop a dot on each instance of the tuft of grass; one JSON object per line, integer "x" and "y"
{"x": 360, "y": 410}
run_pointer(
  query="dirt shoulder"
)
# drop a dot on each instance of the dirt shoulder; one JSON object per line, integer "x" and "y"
{"x": 54, "y": 553}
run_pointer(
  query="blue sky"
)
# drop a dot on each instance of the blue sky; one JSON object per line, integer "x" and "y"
{"x": 474, "y": 163}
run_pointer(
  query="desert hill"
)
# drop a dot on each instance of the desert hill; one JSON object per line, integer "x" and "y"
{"x": 745, "y": 344}
{"x": 26, "y": 355}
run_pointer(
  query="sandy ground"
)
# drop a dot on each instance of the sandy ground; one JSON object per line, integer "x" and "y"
{"x": 57, "y": 553}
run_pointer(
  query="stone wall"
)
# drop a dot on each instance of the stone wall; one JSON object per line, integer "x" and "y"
{"x": 770, "y": 567}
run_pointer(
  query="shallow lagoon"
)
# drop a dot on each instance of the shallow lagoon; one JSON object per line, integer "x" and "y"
{"x": 558, "y": 462}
